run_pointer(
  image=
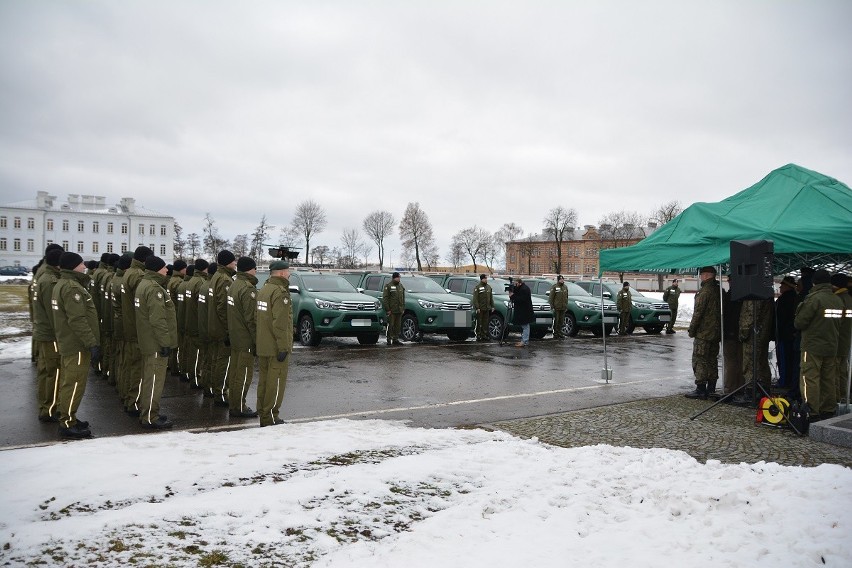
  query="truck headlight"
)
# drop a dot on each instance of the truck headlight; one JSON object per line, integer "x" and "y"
{"x": 585, "y": 306}
{"x": 428, "y": 305}
{"x": 326, "y": 305}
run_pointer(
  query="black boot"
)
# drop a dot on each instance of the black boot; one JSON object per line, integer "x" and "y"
{"x": 699, "y": 392}
{"x": 711, "y": 389}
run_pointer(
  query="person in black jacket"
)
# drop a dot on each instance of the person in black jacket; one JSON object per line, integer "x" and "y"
{"x": 521, "y": 298}
{"x": 785, "y": 335}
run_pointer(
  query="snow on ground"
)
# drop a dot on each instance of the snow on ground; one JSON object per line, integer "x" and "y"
{"x": 377, "y": 493}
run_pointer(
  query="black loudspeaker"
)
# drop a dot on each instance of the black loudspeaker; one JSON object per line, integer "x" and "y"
{"x": 751, "y": 270}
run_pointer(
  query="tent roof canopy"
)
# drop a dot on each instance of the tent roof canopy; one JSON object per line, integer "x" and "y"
{"x": 807, "y": 215}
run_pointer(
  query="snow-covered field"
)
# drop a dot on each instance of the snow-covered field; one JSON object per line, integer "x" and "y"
{"x": 375, "y": 493}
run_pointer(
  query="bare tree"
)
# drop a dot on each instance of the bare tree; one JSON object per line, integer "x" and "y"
{"x": 666, "y": 212}
{"x": 490, "y": 252}
{"x": 559, "y": 222}
{"x": 456, "y": 254}
{"x": 415, "y": 232}
{"x": 379, "y": 225}
{"x": 431, "y": 255}
{"x": 309, "y": 220}
{"x": 258, "y": 237}
{"x": 240, "y": 245}
{"x": 508, "y": 232}
{"x": 193, "y": 243}
{"x": 320, "y": 254}
{"x": 621, "y": 228}
{"x": 352, "y": 243}
{"x": 367, "y": 250}
{"x": 213, "y": 241}
{"x": 179, "y": 243}
{"x": 473, "y": 241}
{"x": 527, "y": 249}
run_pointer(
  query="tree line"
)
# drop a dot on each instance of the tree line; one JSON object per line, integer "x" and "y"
{"x": 472, "y": 245}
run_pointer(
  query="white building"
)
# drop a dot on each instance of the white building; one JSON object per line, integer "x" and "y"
{"x": 84, "y": 224}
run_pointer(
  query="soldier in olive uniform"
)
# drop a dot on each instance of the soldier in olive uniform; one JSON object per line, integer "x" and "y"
{"x": 839, "y": 283}
{"x": 195, "y": 359}
{"x": 393, "y": 300}
{"x": 274, "y": 341}
{"x": 75, "y": 319}
{"x": 202, "y": 298}
{"x": 818, "y": 319}
{"x": 119, "y": 347}
{"x": 671, "y": 295}
{"x": 104, "y": 299}
{"x": 44, "y": 334}
{"x": 186, "y": 352}
{"x": 558, "y": 300}
{"x": 132, "y": 368}
{"x": 156, "y": 328}
{"x": 624, "y": 303}
{"x": 483, "y": 305}
{"x": 759, "y": 315}
{"x": 706, "y": 331}
{"x": 242, "y": 329}
{"x": 176, "y": 277}
{"x": 217, "y": 324}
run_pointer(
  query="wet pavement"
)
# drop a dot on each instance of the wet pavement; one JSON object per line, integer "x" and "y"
{"x": 551, "y": 390}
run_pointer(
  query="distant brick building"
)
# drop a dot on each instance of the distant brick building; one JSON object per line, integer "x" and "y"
{"x": 84, "y": 224}
{"x": 536, "y": 254}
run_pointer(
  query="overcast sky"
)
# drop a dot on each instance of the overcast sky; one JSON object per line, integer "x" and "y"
{"x": 484, "y": 112}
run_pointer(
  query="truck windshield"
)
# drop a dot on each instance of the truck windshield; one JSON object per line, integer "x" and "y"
{"x": 422, "y": 285}
{"x": 327, "y": 283}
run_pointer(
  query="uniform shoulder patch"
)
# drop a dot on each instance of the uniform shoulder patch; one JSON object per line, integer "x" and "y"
{"x": 254, "y": 295}
{"x": 159, "y": 295}
{"x": 77, "y": 297}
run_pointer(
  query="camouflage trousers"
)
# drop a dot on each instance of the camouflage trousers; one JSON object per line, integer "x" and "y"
{"x": 764, "y": 375}
{"x": 705, "y": 361}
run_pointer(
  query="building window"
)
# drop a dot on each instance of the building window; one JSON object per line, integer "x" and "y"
{"x": 96, "y": 227}
{"x": 152, "y": 246}
{"x": 123, "y": 247}
{"x": 31, "y": 223}
{"x": 50, "y": 224}
{"x": 30, "y": 245}
{"x": 152, "y": 230}
{"x": 64, "y": 245}
{"x": 81, "y": 226}
{"x": 17, "y": 223}
{"x": 162, "y": 250}
{"x": 16, "y": 245}
{"x": 3, "y": 243}
{"x": 95, "y": 248}
{"x": 81, "y": 248}
{"x": 141, "y": 229}
{"x": 3, "y": 222}
{"x": 109, "y": 227}
{"x": 162, "y": 230}
{"x": 124, "y": 228}
{"x": 109, "y": 248}
{"x": 65, "y": 225}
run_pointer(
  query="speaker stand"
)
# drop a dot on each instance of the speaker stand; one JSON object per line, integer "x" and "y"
{"x": 754, "y": 383}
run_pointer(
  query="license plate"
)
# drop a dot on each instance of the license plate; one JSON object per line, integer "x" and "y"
{"x": 611, "y": 320}
{"x": 665, "y": 318}
{"x": 361, "y": 323}
{"x": 461, "y": 319}
{"x": 543, "y": 320}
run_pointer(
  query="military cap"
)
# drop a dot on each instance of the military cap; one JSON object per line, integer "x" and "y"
{"x": 710, "y": 269}
{"x": 246, "y": 263}
{"x": 179, "y": 265}
{"x": 142, "y": 253}
{"x": 70, "y": 260}
{"x": 154, "y": 263}
{"x": 279, "y": 265}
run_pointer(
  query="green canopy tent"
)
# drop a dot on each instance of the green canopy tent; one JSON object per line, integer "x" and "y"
{"x": 806, "y": 214}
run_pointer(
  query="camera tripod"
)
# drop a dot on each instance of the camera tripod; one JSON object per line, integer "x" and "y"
{"x": 754, "y": 383}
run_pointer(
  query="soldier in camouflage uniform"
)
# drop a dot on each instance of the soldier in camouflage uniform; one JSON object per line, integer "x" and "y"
{"x": 671, "y": 295}
{"x": 242, "y": 329}
{"x": 706, "y": 331}
{"x": 483, "y": 305}
{"x": 274, "y": 341}
{"x": 558, "y": 300}
{"x": 393, "y": 300}
{"x": 759, "y": 314}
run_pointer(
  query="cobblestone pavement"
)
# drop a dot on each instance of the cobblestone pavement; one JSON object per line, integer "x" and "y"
{"x": 726, "y": 433}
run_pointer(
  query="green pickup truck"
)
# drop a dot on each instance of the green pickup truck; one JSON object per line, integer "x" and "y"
{"x": 327, "y": 305}
{"x": 428, "y": 307}
{"x": 464, "y": 285}
{"x": 584, "y": 310}
{"x": 647, "y": 313}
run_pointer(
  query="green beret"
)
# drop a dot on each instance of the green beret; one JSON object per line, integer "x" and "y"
{"x": 279, "y": 265}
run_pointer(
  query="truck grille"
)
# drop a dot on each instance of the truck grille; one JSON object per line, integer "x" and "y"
{"x": 542, "y": 307}
{"x": 660, "y": 306}
{"x": 353, "y": 306}
{"x": 454, "y": 306}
